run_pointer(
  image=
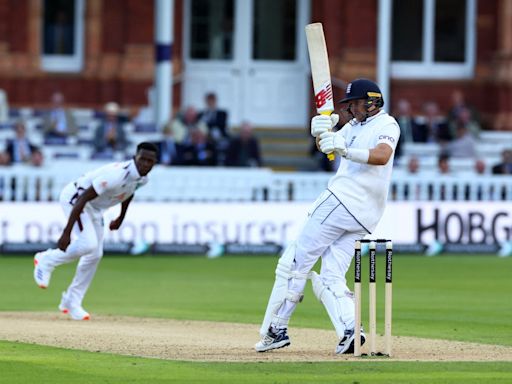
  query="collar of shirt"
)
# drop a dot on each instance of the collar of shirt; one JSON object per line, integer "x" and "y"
{"x": 370, "y": 118}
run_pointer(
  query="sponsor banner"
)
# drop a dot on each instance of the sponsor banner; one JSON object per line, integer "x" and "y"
{"x": 407, "y": 223}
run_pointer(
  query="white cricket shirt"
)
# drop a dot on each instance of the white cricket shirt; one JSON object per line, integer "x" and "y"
{"x": 113, "y": 183}
{"x": 363, "y": 188}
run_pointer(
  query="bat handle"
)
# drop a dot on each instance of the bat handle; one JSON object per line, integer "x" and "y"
{"x": 331, "y": 156}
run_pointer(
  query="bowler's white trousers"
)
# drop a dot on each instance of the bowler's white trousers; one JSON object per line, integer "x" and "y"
{"x": 330, "y": 232}
{"x": 86, "y": 245}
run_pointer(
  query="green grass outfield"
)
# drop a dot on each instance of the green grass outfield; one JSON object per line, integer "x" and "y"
{"x": 464, "y": 298}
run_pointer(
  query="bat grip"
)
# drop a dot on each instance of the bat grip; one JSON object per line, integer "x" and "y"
{"x": 331, "y": 156}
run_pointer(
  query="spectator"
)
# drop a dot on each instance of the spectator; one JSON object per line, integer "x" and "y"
{"x": 244, "y": 150}
{"x": 200, "y": 150}
{"x": 505, "y": 167}
{"x": 110, "y": 136}
{"x": 443, "y": 169}
{"x": 4, "y": 159}
{"x": 463, "y": 146}
{"x": 409, "y": 131}
{"x": 214, "y": 118}
{"x": 458, "y": 103}
{"x": 36, "y": 159}
{"x": 322, "y": 162}
{"x": 432, "y": 127}
{"x": 169, "y": 152}
{"x": 480, "y": 167}
{"x": 4, "y": 107}
{"x": 145, "y": 114}
{"x": 184, "y": 123}
{"x": 413, "y": 166}
{"x": 443, "y": 164}
{"x": 19, "y": 149}
{"x": 463, "y": 118}
{"x": 59, "y": 122}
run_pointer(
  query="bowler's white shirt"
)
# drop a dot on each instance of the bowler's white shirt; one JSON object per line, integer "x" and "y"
{"x": 363, "y": 188}
{"x": 113, "y": 183}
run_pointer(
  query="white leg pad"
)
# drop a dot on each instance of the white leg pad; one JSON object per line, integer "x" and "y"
{"x": 280, "y": 291}
{"x": 338, "y": 302}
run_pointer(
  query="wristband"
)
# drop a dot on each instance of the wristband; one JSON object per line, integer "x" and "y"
{"x": 358, "y": 155}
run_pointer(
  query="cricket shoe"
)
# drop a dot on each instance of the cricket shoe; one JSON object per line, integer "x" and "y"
{"x": 42, "y": 274}
{"x": 76, "y": 312}
{"x": 346, "y": 344}
{"x": 274, "y": 339}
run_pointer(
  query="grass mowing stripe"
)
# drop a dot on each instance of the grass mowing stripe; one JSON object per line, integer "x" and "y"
{"x": 24, "y": 363}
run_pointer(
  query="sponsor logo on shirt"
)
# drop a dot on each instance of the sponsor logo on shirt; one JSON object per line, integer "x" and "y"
{"x": 386, "y": 137}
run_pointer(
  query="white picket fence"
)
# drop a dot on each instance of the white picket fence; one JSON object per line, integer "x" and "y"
{"x": 22, "y": 183}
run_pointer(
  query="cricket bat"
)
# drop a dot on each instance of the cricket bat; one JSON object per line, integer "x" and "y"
{"x": 320, "y": 71}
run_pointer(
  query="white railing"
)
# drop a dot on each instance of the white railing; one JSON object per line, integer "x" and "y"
{"x": 21, "y": 183}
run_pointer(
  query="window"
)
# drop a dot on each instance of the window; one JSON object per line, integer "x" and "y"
{"x": 274, "y": 30}
{"x": 211, "y": 35}
{"x": 62, "y": 35}
{"x": 433, "y": 39}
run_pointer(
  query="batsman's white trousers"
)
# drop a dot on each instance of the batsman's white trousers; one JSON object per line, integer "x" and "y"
{"x": 86, "y": 245}
{"x": 330, "y": 232}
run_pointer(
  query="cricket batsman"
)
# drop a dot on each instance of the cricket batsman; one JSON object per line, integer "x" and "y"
{"x": 348, "y": 210}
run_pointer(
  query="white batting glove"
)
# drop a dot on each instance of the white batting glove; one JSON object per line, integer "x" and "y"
{"x": 323, "y": 123}
{"x": 333, "y": 142}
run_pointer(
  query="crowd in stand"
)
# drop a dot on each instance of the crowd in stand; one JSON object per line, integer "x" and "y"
{"x": 204, "y": 137}
{"x": 455, "y": 134}
{"x": 191, "y": 138}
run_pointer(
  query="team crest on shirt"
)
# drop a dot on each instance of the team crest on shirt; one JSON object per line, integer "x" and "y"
{"x": 104, "y": 184}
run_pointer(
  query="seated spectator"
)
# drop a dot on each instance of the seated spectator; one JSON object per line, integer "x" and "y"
{"x": 408, "y": 127}
{"x": 184, "y": 123}
{"x": 19, "y": 149}
{"x": 464, "y": 144}
{"x": 458, "y": 103}
{"x": 443, "y": 169}
{"x": 432, "y": 127}
{"x": 4, "y": 107}
{"x": 59, "y": 122}
{"x": 169, "y": 152}
{"x": 110, "y": 136}
{"x": 145, "y": 114}
{"x": 244, "y": 149}
{"x": 463, "y": 118}
{"x": 413, "y": 166}
{"x": 322, "y": 162}
{"x": 4, "y": 159}
{"x": 36, "y": 159}
{"x": 505, "y": 167}
{"x": 443, "y": 164}
{"x": 480, "y": 167}
{"x": 200, "y": 150}
{"x": 214, "y": 118}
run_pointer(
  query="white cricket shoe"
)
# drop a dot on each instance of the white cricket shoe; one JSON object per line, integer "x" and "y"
{"x": 273, "y": 340}
{"x": 346, "y": 344}
{"x": 42, "y": 274}
{"x": 76, "y": 312}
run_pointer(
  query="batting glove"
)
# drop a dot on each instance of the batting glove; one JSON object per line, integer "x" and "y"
{"x": 333, "y": 142}
{"x": 323, "y": 123}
